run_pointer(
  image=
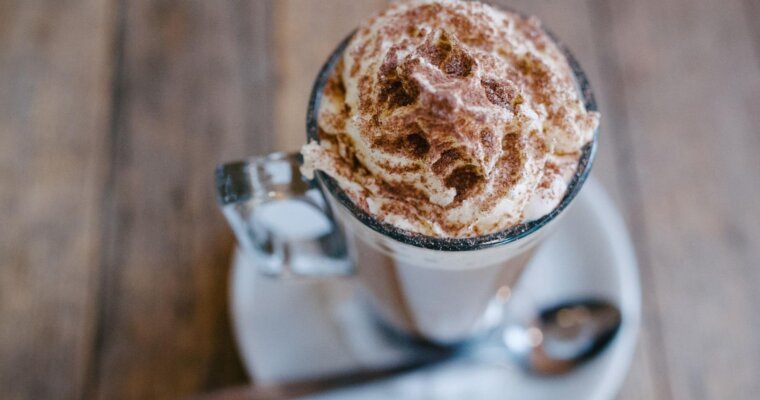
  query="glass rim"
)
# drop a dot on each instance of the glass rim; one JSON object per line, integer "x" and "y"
{"x": 509, "y": 235}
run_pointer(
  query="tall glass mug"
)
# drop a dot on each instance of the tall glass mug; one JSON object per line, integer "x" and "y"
{"x": 430, "y": 288}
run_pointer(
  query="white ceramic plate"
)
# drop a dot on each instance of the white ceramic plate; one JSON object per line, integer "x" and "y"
{"x": 304, "y": 330}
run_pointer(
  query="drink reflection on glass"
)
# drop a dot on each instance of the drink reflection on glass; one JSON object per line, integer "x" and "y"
{"x": 447, "y": 138}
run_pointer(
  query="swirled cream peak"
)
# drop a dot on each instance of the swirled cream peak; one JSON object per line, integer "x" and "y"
{"x": 451, "y": 119}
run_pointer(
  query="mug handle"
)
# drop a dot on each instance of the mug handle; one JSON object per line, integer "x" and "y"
{"x": 281, "y": 220}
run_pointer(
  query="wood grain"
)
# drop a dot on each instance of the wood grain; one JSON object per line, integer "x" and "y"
{"x": 649, "y": 375}
{"x": 687, "y": 79}
{"x": 193, "y": 91}
{"x": 306, "y": 32}
{"x": 54, "y": 103}
{"x": 752, "y": 13}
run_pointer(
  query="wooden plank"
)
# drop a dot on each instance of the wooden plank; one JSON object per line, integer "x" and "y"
{"x": 752, "y": 13}
{"x": 55, "y": 60}
{"x": 649, "y": 373}
{"x": 195, "y": 89}
{"x": 306, "y": 33}
{"x": 689, "y": 86}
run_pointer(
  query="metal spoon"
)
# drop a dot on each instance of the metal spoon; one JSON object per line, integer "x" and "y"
{"x": 556, "y": 340}
{"x": 562, "y": 337}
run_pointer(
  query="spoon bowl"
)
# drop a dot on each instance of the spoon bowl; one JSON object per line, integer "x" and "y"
{"x": 562, "y": 337}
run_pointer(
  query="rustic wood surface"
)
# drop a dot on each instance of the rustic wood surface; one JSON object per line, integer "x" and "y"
{"x": 114, "y": 259}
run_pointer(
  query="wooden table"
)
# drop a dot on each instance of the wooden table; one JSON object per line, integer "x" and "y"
{"x": 113, "y": 114}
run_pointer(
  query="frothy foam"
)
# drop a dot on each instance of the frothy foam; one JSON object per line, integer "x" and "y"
{"x": 451, "y": 119}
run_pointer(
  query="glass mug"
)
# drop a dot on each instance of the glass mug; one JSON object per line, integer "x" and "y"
{"x": 432, "y": 289}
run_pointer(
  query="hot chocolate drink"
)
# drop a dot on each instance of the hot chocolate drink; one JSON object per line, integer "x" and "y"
{"x": 451, "y": 119}
{"x": 442, "y": 128}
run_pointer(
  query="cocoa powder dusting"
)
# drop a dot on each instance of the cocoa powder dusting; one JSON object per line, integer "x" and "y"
{"x": 443, "y": 105}
{"x": 511, "y": 158}
{"x": 446, "y": 160}
{"x": 414, "y": 144}
{"x": 500, "y": 93}
{"x": 417, "y": 144}
{"x": 464, "y": 179}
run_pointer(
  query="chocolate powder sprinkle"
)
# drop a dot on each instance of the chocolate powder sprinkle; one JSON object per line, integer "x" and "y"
{"x": 440, "y": 110}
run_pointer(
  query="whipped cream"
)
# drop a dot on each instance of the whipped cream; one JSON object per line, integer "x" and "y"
{"x": 451, "y": 119}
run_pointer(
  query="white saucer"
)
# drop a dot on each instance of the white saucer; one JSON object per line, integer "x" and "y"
{"x": 306, "y": 330}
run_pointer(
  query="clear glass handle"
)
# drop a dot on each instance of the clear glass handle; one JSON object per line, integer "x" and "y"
{"x": 282, "y": 222}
